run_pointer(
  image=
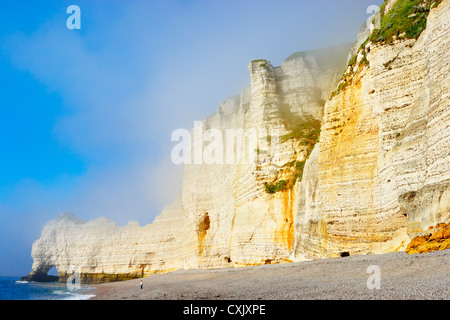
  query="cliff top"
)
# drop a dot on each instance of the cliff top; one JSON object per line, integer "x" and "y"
{"x": 68, "y": 217}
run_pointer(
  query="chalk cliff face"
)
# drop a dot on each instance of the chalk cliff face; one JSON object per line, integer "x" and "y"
{"x": 379, "y": 176}
{"x": 384, "y": 161}
{"x": 100, "y": 250}
{"x": 246, "y": 224}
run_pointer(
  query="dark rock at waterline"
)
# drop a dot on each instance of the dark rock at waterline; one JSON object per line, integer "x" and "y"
{"x": 39, "y": 277}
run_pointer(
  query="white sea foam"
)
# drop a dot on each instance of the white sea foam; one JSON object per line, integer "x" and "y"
{"x": 80, "y": 297}
{"x": 73, "y": 295}
{"x": 21, "y": 282}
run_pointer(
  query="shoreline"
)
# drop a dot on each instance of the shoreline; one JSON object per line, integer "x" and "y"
{"x": 402, "y": 277}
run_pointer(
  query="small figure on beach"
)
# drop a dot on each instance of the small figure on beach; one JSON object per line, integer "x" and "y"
{"x": 141, "y": 283}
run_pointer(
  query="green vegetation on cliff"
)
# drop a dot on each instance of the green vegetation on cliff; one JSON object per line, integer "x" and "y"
{"x": 263, "y": 62}
{"x": 347, "y": 77}
{"x": 306, "y": 132}
{"x": 405, "y": 20}
{"x": 292, "y": 171}
{"x": 305, "y": 129}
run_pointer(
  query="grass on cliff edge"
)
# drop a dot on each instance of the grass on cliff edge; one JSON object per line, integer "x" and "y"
{"x": 406, "y": 20}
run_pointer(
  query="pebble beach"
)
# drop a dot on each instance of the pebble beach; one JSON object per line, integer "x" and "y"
{"x": 400, "y": 277}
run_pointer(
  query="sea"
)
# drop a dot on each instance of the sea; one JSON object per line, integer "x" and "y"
{"x": 12, "y": 288}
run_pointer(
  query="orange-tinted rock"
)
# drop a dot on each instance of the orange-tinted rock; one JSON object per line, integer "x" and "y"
{"x": 447, "y": 232}
{"x": 416, "y": 242}
{"x": 438, "y": 240}
{"x": 438, "y": 232}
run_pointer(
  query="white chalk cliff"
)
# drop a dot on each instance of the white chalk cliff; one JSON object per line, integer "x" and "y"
{"x": 378, "y": 176}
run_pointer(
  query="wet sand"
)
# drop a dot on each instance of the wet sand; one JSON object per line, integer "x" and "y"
{"x": 402, "y": 276}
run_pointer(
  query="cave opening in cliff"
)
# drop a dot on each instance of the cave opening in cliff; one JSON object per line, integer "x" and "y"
{"x": 202, "y": 230}
{"x": 51, "y": 275}
{"x": 204, "y": 225}
{"x": 52, "y": 271}
{"x": 345, "y": 254}
{"x": 44, "y": 274}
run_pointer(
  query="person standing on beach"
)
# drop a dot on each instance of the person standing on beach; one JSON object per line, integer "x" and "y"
{"x": 141, "y": 283}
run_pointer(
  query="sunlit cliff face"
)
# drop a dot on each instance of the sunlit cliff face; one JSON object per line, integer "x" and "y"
{"x": 372, "y": 176}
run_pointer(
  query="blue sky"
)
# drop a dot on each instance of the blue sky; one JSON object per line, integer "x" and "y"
{"x": 86, "y": 115}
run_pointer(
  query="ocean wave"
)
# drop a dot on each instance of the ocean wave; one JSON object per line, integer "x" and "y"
{"x": 80, "y": 297}
{"x": 21, "y": 282}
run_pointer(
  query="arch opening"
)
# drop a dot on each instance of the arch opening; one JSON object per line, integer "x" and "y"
{"x": 52, "y": 271}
